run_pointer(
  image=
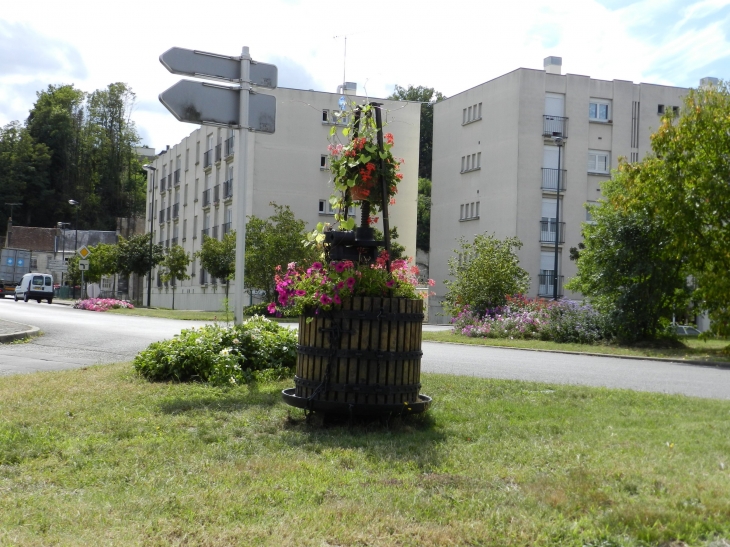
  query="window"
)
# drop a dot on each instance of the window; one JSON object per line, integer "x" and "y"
{"x": 197, "y": 153}
{"x": 325, "y": 116}
{"x": 471, "y": 114}
{"x": 325, "y": 208}
{"x": 598, "y": 161}
{"x": 185, "y": 195}
{"x": 195, "y": 226}
{"x": 589, "y": 217}
{"x": 185, "y": 228}
{"x": 471, "y": 162}
{"x": 187, "y": 159}
{"x": 675, "y": 110}
{"x": 469, "y": 211}
{"x": 323, "y": 162}
{"x": 599, "y": 110}
{"x": 660, "y": 109}
{"x": 34, "y": 265}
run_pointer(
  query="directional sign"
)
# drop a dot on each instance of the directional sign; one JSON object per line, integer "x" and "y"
{"x": 83, "y": 265}
{"x": 84, "y": 252}
{"x": 201, "y": 64}
{"x": 57, "y": 266}
{"x": 201, "y": 103}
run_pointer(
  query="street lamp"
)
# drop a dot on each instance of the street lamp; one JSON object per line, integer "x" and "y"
{"x": 559, "y": 143}
{"x": 151, "y": 168}
{"x": 76, "y": 242}
{"x": 62, "y": 227}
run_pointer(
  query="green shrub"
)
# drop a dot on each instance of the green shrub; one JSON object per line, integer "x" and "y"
{"x": 221, "y": 354}
{"x": 263, "y": 309}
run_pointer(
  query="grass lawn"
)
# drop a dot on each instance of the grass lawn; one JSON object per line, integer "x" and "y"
{"x": 188, "y": 315}
{"x": 695, "y": 349}
{"x": 99, "y": 456}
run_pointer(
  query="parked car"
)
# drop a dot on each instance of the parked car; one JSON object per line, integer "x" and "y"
{"x": 35, "y": 286}
{"x": 685, "y": 330}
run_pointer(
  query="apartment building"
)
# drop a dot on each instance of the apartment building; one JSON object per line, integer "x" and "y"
{"x": 505, "y": 152}
{"x": 195, "y": 180}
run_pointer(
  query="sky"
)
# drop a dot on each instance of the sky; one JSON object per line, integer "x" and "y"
{"x": 450, "y": 46}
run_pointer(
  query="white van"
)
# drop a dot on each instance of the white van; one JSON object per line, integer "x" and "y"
{"x": 35, "y": 286}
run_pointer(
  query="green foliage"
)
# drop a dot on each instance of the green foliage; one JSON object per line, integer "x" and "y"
{"x": 175, "y": 267}
{"x": 220, "y": 355}
{"x": 218, "y": 257}
{"x": 427, "y": 96}
{"x": 134, "y": 255}
{"x": 74, "y": 146}
{"x": 103, "y": 261}
{"x": 397, "y": 251}
{"x": 276, "y": 240}
{"x": 423, "y": 215}
{"x": 484, "y": 272}
{"x": 627, "y": 266}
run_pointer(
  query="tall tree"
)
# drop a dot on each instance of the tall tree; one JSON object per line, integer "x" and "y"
{"x": 135, "y": 256}
{"x": 427, "y": 96}
{"x": 423, "y": 215}
{"x": 270, "y": 242}
{"x": 628, "y": 266}
{"x": 218, "y": 257}
{"x": 175, "y": 266}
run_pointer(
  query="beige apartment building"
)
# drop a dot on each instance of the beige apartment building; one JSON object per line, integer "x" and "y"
{"x": 195, "y": 180}
{"x": 495, "y": 163}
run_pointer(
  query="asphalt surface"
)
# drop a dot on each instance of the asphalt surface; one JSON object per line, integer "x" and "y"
{"x": 75, "y": 338}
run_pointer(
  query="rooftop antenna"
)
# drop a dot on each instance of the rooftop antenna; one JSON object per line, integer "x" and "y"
{"x": 344, "y": 61}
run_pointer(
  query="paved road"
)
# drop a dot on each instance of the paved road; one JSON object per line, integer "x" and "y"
{"x": 74, "y": 338}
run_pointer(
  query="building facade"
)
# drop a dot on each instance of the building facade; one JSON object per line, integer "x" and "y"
{"x": 194, "y": 183}
{"x": 505, "y": 151}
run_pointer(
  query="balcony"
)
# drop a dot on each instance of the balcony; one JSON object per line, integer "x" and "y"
{"x": 217, "y": 153}
{"x": 554, "y": 126}
{"x": 550, "y": 179}
{"x": 207, "y": 159}
{"x": 547, "y": 231}
{"x": 162, "y": 216}
{"x": 206, "y": 198}
{"x": 225, "y": 228}
{"x": 214, "y": 232}
{"x": 546, "y": 284}
{"x": 228, "y": 189}
{"x": 204, "y": 233}
{"x": 216, "y": 193}
{"x": 175, "y": 210}
{"x": 229, "y": 146}
{"x": 177, "y": 178}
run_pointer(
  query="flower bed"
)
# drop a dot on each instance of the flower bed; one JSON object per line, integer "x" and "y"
{"x": 102, "y": 304}
{"x": 536, "y": 319}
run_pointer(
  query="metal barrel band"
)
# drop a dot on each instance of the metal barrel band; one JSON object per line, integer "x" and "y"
{"x": 379, "y": 315}
{"x": 360, "y": 354}
{"x": 374, "y": 389}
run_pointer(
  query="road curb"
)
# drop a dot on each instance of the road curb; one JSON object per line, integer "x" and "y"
{"x": 27, "y": 331}
{"x": 709, "y": 364}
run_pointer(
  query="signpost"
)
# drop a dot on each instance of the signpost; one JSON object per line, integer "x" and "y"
{"x": 236, "y": 107}
{"x": 83, "y": 267}
{"x": 84, "y": 253}
{"x": 57, "y": 266}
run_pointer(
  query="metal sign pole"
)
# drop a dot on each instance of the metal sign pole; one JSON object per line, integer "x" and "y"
{"x": 242, "y": 159}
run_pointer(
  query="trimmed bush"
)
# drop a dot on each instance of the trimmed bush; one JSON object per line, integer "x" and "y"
{"x": 222, "y": 354}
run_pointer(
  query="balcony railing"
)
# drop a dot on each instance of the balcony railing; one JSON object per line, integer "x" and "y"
{"x": 228, "y": 189}
{"x": 225, "y": 228}
{"x": 547, "y": 231}
{"x": 546, "y": 284}
{"x": 173, "y": 241}
{"x": 554, "y": 126}
{"x": 169, "y": 217}
{"x": 229, "y": 146}
{"x": 218, "y": 152}
{"x": 204, "y": 233}
{"x": 162, "y": 216}
{"x": 206, "y": 198}
{"x": 217, "y": 193}
{"x": 177, "y": 177}
{"x": 175, "y": 210}
{"x": 214, "y": 232}
{"x": 550, "y": 179}
{"x": 162, "y": 184}
{"x": 207, "y": 159}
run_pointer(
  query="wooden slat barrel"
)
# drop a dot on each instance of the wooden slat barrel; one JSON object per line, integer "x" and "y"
{"x": 364, "y": 356}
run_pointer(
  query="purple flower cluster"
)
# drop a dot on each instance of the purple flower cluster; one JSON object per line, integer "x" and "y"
{"x": 530, "y": 319}
{"x": 102, "y": 304}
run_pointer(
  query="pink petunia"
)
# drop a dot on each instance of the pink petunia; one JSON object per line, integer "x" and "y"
{"x": 350, "y": 283}
{"x": 271, "y": 308}
{"x": 325, "y": 300}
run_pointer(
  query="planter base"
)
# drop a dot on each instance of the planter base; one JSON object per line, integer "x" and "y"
{"x": 355, "y": 409}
